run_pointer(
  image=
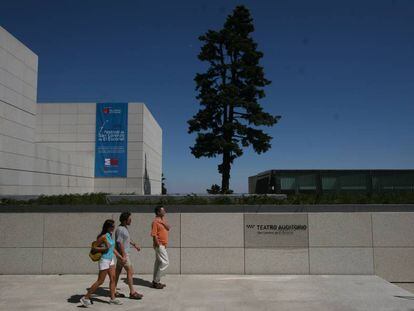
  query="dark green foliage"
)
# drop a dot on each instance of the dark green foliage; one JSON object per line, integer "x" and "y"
{"x": 64, "y": 199}
{"x": 299, "y": 199}
{"x": 229, "y": 92}
{"x": 163, "y": 188}
{"x": 73, "y": 199}
{"x": 215, "y": 189}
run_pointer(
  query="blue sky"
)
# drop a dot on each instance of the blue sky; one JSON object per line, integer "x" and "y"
{"x": 341, "y": 72}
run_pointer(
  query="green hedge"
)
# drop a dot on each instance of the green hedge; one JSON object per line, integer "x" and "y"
{"x": 64, "y": 199}
{"x": 100, "y": 199}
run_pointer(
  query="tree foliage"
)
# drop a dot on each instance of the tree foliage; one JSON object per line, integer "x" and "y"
{"x": 228, "y": 92}
{"x": 163, "y": 187}
{"x": 215, "y": 189}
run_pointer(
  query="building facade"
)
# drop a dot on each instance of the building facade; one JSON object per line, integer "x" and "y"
{"x": 332, "y": 181}
{"x": 50, "y": 148}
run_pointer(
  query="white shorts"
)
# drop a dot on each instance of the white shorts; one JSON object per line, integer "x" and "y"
{"x": 105, "y": 264}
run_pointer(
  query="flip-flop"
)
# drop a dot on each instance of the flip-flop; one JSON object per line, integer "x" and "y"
{"x": 136, "y": 295}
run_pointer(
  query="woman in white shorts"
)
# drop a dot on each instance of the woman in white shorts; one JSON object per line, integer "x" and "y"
{"x": 106, "y": 264}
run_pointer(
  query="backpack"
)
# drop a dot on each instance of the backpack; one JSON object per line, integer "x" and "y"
{"x": 94, "y": 254}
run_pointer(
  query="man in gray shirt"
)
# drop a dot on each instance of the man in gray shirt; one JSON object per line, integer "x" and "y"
{"x": 123, "y": 244}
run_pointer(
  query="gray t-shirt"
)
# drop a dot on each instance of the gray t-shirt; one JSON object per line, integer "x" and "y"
{"x": 122, "y": 235}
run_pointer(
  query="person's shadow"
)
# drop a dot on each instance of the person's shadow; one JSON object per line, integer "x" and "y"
{"x": 405, "y": 297}
{"x": 139, "y": 282}
{"x": 101, "y": 291}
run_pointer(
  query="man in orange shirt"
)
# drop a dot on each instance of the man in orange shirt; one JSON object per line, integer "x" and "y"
{"x": 159, "y": 233}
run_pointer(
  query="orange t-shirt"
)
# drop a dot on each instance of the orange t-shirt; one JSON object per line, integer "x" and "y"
{"x": 158, "y": 229}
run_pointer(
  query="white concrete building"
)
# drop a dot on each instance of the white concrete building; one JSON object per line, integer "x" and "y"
{"x": 49, "y": 148}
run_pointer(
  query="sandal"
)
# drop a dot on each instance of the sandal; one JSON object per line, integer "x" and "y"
{"x": 136, "y": 295}
{"x": 119, "y": 295}
{"x": 157, "y": 285}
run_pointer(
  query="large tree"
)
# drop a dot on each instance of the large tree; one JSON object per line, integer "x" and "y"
{"x": 228, "y": 92}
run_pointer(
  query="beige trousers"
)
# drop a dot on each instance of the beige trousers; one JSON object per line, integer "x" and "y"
{"x": 161, "y": 263}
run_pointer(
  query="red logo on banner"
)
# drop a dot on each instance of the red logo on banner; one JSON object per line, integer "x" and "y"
{"x": 110, "y": 162}
{"x": 106, "y": 110}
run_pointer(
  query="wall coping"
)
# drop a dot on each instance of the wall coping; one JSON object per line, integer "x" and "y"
{"x": 325, "y": 208}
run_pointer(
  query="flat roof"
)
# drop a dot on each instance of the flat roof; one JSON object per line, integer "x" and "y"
{"x": 333, "y": 170}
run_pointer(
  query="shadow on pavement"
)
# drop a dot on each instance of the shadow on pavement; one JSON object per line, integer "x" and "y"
{"x": 140, "y": 282}
{"x": 105, "y": 292}
{"x": 406, "y": 297}
{"x": 74, "y": 298}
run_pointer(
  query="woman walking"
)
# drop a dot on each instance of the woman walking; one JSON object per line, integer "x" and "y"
{"x": 106, "y": 263}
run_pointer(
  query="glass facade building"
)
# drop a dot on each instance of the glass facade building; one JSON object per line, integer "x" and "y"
{"x": 331, "y": 181}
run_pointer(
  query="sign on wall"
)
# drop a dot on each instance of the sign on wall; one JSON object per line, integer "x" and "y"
{"x": 111, "y": 142}
{"x": 276, "y": 230}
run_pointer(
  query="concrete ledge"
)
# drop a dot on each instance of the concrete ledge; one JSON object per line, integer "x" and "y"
{"x": 394, "y": 264}
{"x": 212, "y": 230}
{"x": 332, "y": 208}
{"x": 341, "y": 261}
{"x": 73, "y": 230}
{"x": 340, "y": 230}
{"x": 140, "y": 229}
{"x": 208, "y": 243}
{"x": 68, "y": 261}
{"x": 277, "y": 261}
{"x": 21, "y": 260}
{"x": 254, "y": 237}
{"x": 212, "y": 260}
{"x": 393, "y": 229}
{"x": 143, "y": 261}
{"x": 21, "y": 230}
{"x": 60, "y": 261}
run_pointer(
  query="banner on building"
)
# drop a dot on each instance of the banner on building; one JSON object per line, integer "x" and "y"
{"x": 111, "y": 142}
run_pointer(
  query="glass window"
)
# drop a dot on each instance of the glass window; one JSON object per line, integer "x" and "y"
{"x": 328, "y": 183}
{"x": 287, "y": 183}
{"x": 307, "y": 182}
{"x": 353, "y": 182}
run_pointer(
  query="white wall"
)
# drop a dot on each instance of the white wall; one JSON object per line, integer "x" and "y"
{"x": 135, "y": 171}
{"x": 71, "y": 127}
{"x": 26, "y": 167}
{"x": 18, "y": 79}
{"x": 152, "y": 150}
{"x": 49, "y": 148}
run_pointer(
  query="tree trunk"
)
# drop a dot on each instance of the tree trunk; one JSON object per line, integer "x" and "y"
{"x": 225, "y": 172}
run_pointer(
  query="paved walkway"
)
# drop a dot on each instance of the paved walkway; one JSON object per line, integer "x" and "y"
{"x": 212, "y": 292}
{"x": 406, "y": 286}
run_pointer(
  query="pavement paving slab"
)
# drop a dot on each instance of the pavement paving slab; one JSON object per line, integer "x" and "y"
{"x": 406, "y": 286}
{"x": 211, "y": 292}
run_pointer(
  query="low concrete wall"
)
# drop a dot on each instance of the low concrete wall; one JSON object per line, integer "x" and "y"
{"x": 380, "y": 243}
